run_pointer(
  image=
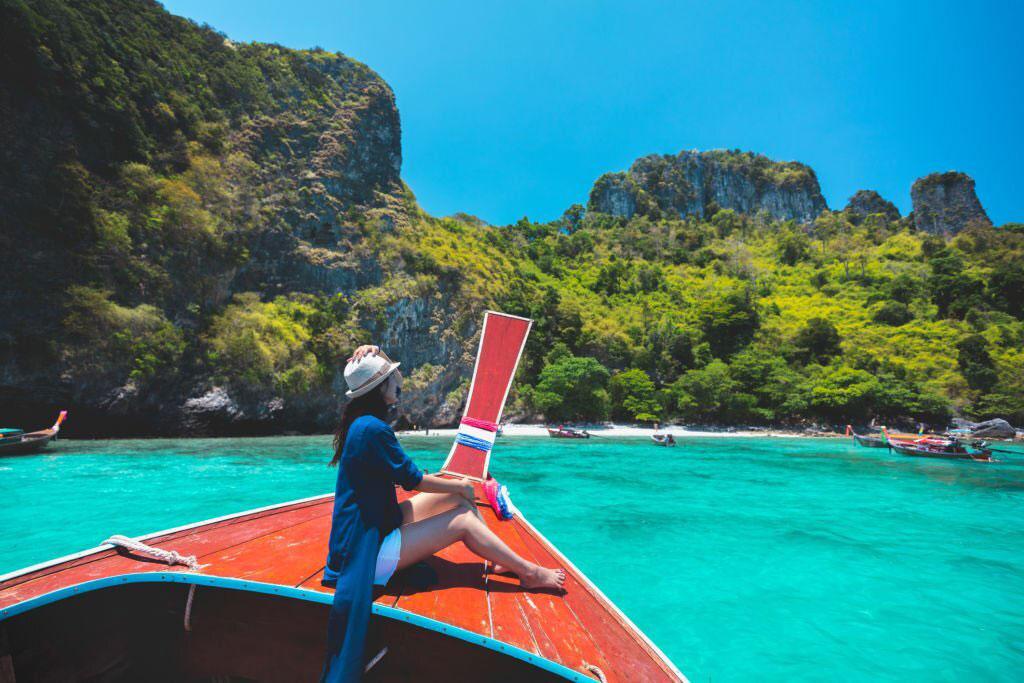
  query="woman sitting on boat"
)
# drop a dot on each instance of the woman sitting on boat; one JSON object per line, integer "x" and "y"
{"x": 372, "y": 534}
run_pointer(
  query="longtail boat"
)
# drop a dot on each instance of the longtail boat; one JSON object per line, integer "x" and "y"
{"x": 663, "y": 439}
{"x": 239, "y": 597}
{"x": 866, "y": 440}
{"x": 950, "y": 449}
{"x": 567, "y": 433}
{"x": 17, "y": 442}
{"x": 870, "y": 441}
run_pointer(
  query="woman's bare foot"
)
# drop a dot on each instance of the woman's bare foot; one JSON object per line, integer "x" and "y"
{"x": 542, "y": 577}
{"x": 500, "y": 569}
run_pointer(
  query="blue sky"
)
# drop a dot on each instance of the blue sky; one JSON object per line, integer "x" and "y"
{"x": 514, "y": 108}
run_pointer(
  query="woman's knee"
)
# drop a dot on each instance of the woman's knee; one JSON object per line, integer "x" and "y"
{"x": 464, "y": 520}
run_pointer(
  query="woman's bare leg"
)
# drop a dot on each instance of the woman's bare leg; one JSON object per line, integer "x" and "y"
{"x": 424, "y": 505}
{"x": 424, "y": 538}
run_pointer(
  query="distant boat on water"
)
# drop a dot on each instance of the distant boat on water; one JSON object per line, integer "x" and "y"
{"x": 17, "y": 442}
{"x": 882, "y": 439}
{"x": 568, "y": 433}
{"x": 869, "y": 441}
{"x": 950, "y": 449}
{"x": 663, "y": 439}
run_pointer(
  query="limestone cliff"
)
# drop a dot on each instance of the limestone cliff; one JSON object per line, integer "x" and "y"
{"x": 151, "y": 171}
{"x": 693, "y": 183}
{"x": 868, "y": 202}
{"x": 945, "y": 203}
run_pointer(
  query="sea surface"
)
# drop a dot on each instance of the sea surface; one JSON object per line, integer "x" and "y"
{"x": 744, "y": 559}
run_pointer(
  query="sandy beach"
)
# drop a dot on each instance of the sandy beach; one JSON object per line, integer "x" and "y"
{"x": 614, "y": 430}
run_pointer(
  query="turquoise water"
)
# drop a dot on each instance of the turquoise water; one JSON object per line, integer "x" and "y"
{"x": 743, "y": 559}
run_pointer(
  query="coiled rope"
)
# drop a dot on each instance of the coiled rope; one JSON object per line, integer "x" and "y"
{"x": 473, "y": 442}
{"x": 171, "y": 557}
{"x": 486, "y": 425}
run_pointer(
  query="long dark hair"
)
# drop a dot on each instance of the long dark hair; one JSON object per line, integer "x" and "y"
{"x": 371, "y": 403}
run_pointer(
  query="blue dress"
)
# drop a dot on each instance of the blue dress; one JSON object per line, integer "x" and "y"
{"x": 365, "y": 511}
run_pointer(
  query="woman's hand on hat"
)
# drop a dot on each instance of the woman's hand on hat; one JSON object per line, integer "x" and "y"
{"x": 363, "y": 351}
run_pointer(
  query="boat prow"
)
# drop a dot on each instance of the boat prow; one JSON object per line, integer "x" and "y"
{"x": 255, "y": 609}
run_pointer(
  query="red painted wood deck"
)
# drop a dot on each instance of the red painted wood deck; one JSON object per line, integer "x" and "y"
{"x": 286, "y": 545}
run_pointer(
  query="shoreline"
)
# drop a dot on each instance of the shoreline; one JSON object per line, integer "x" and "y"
{"x": 616, "y": 431}
{"x": 515, "y": 430}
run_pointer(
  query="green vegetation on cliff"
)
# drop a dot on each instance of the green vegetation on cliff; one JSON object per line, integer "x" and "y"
{"x": 183, "y": 213}
{"x": 742, "y": 319}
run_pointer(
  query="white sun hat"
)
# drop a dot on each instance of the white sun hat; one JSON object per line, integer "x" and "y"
{"x": 363, "y": 375}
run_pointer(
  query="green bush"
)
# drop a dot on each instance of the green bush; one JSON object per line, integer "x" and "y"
{"x": 573, "y": 388}
{"x": 135, "y": 344}
{"x": 255, "y": 345}
{"x": 893, "y": 313}
{"x": 634, "y": 396}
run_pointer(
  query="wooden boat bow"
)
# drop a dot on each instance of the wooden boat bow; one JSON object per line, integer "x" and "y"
{"x": 280, "y": 551}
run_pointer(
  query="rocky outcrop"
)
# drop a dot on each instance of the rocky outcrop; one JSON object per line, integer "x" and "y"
{"x": 183, "y": 170}
{"x": 945, "y": 203}
{"x": 868, "y": 202}
{"x": 694, "y": 183}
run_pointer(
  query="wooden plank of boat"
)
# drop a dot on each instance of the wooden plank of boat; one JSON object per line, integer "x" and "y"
{"x": 560, "y": 637}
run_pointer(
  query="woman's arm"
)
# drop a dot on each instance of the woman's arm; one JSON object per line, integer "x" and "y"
{"x": 432, "y": 483}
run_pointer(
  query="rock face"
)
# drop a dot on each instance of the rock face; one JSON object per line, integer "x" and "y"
{"x": 868, "y": 202}
{"x": 694, "y": 183}
{"x": 187, "y": 169}
{"x": 945, "y": 203}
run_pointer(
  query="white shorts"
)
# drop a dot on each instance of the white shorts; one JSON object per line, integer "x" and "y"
{"x": 387, "y": 557}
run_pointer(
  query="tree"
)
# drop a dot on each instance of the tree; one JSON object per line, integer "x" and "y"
{"x": 759, "y": 371}
{"x": 634, "y": 396}
{"x": 573, "y": 388}
{"x": 903, "y": 288}
{"x": 573, "y": 218}
{"x": 976, "y": 363}
{"x": 1006, "y": 287}
{"x": 893, "y": 313}
{"x": 843, "y": 393}
{"x": 728, "y": 320}
{"x": 953, "y": 291}
{"x": 710, "y": 393}
{"x": 612, "y": 276}
{"x": 792, "y": 245}
{"x": 817, "y": 341}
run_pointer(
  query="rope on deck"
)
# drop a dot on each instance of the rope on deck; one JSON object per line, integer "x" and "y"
{"x": 596, "y": 670}
{"x": 171, "y": 557}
